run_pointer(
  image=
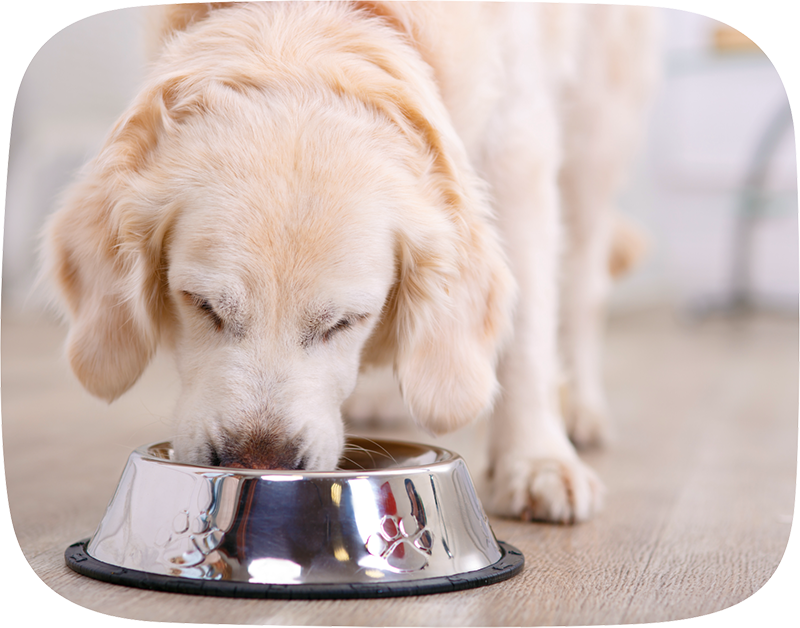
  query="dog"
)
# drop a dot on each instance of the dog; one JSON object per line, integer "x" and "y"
{"x": 304, "y": 190}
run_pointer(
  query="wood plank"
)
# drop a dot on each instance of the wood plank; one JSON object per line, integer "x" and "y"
{"x": 700, "y": 478}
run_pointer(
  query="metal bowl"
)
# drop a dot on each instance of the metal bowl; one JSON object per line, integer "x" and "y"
{"x": 401, "y": 519}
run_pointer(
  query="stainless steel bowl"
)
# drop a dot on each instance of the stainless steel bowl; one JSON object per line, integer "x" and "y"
{"x": 402, "y": 519}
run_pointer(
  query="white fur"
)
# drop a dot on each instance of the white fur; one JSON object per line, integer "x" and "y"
{"x": 304, "y": 190}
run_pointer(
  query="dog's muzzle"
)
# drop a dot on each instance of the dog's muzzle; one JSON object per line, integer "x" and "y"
{"x": 257, "y": 452}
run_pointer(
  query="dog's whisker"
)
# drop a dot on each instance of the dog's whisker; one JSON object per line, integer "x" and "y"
{"x": 354, "y": 447}
{"x": 384, "y": 451}
{"x": 351, "y": 461}
{"x": 377, "y": 451}
{"x": 360, "y": 450}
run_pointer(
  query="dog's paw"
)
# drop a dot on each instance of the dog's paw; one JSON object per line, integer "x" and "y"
{"x": 559, "y": 490}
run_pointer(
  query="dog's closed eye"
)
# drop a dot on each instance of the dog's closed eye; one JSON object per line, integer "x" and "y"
{"x": 341, "y": 325}
{"x": 204, "y": 305}
{"x": 321, "y": 331}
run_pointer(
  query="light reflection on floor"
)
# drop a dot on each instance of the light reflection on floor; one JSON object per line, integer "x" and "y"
{"x": 778, "y": 602}
{"x": 26, "y": 600}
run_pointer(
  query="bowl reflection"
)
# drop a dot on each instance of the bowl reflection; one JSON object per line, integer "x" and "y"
{"x": 399, "y": 511}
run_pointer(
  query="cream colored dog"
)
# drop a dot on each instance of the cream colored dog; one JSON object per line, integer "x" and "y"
{"x": 304, "y": 189}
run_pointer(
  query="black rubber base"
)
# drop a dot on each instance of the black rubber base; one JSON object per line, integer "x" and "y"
{"x": 78, "y": 560}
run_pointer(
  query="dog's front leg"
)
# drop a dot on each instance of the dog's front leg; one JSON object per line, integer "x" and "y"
{"x": 534, "y": 470}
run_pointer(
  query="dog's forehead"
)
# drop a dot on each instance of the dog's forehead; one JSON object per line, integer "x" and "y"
{"x": 313, "y": 235}
{"x": 281, "y": 139}
{"x": 296, "y": 203}
{"x": 314, "y": 252}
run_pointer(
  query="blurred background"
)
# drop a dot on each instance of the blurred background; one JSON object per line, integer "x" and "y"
{"x": 714, "y": 186}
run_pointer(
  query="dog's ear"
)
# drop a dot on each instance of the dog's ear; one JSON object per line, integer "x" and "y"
{"x": 450, "y": 311}
{"x": 103, "y": 254}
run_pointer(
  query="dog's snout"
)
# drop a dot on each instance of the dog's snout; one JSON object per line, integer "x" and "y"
{"x": 254, "y": 452}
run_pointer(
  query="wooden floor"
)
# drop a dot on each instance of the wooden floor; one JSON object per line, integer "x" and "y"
{"x": 701, "y": 483}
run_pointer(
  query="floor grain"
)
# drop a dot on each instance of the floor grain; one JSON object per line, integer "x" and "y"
{"x": 700, "y": 478}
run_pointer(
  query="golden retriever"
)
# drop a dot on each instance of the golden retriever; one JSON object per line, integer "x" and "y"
{"x": 304, "y": 189}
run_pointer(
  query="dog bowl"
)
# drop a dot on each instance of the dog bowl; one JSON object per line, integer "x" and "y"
{"x": 401, "y": 519}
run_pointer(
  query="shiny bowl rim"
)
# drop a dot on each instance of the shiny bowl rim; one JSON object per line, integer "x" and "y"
{"x": 444, "y": 459}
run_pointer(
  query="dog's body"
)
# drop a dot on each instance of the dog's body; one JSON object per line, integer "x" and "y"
{"x": 302, "y": 190}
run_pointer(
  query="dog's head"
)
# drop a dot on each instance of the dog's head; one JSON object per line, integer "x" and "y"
{"x": 279, "y": 231}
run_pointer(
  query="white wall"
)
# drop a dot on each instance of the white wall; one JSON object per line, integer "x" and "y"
{"x": 706, "y": 123}
{"x": 73, "y": 90}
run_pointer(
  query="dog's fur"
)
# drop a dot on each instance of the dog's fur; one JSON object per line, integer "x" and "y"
{"x": 301, "y": 190}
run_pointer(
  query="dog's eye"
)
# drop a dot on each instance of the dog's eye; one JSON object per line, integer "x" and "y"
{"x": 339, "y": 326}
{"x": 204, "y": 305}
{"x": 320, "y": 331}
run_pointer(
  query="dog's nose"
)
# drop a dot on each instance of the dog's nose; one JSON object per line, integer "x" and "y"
{"x": 258, "y": 453}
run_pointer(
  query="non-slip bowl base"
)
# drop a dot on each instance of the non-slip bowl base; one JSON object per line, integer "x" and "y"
{"x": 80, "y": 561}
